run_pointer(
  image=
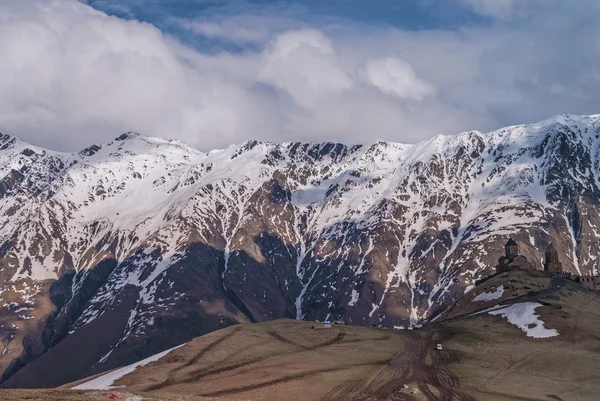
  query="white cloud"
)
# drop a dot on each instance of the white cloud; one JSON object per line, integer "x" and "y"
{"x": 242, "y": 28}
{"x": 229, "y": 30}
{"x": 78, "y": 75}
{"x": 501, "y": 9}
{"x": 395, "y": 76}
{"x": 303, "y": 64}
{"x": 71, "y": 76}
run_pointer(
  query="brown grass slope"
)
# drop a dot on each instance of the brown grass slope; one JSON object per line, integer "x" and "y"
{"x": 72, "y": 395}
{"x": 282, "y": 359}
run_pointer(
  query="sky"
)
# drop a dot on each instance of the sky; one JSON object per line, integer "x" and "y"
{"x": 218, "y": 72}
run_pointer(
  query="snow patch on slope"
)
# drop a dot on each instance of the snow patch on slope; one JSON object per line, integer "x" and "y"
{"x": 523, "y": 316}
{"x": 105, "y": 382}
{"x": 490, "y": 296}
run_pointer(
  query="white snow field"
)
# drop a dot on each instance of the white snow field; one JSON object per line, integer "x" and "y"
{"x": 523, "y": 316}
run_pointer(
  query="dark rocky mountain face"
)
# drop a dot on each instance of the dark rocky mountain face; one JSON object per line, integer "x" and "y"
{"x": 126, "y": 249}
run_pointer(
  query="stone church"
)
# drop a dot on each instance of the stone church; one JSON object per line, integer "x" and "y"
{"x": 552, "y": 264}
{"x": 514, "y": 261}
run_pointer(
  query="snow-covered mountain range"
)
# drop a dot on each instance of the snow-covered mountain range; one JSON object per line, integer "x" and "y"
{"x": 135, "y": 246}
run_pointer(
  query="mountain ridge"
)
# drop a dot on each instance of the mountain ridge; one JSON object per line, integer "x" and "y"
{"x": 7, "y": 140}
{"x": 166, "y": 242}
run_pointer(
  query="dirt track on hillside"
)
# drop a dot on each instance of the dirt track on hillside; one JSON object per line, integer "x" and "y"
{"x": 389, "y": 381}
{"x": 410, "y": 370}
{"x": 222, "y": 366}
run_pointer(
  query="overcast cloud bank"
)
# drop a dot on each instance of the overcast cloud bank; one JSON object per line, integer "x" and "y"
{"x": 71, "y": 76}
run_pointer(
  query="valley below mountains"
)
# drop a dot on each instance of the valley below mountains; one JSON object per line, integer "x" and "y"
{"x": 129, "y": 248}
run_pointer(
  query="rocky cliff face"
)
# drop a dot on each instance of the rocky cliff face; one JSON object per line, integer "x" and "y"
{"x": 128, "y": 248}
